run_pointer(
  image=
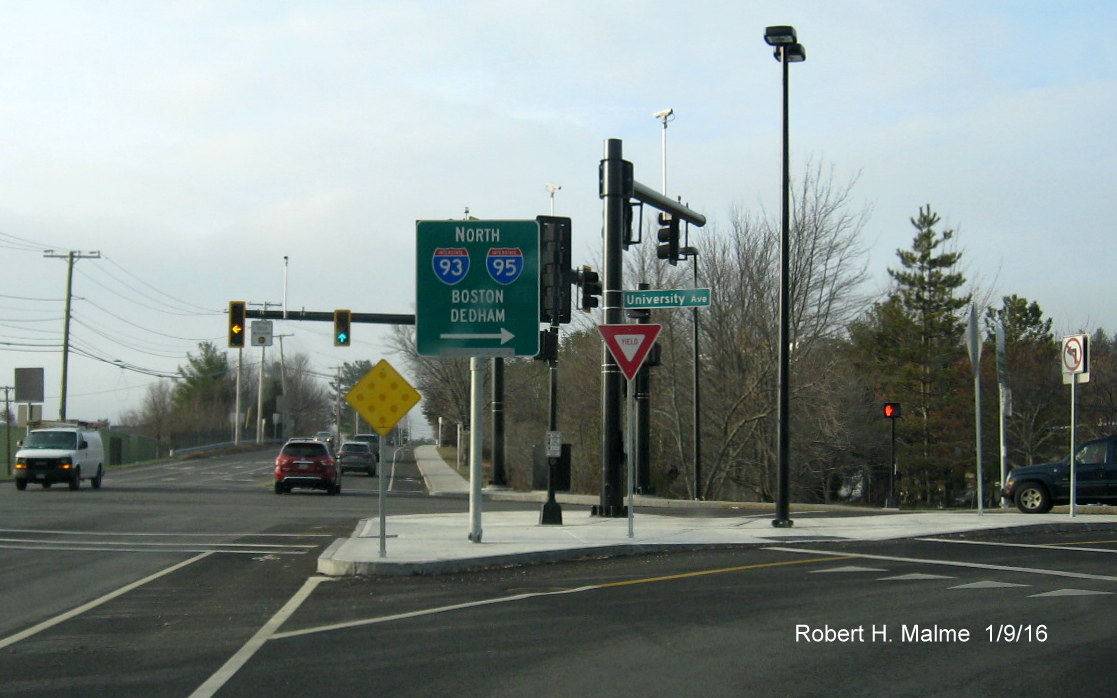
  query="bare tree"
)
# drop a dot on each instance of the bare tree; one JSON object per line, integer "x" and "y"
{"x": 309, "y": 402}
{"x": 443, "y": 382}
{"x": 739, "y": 336}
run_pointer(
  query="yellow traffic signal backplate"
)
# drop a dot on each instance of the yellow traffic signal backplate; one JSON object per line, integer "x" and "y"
{"x": 382, "y": 397}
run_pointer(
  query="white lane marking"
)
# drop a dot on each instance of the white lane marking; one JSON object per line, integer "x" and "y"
{"x": 267, "y": 546}
{"x": 949, "y": 563}
{"x": 848, "y": 568}
{"x": 914, "y": 577}
{"x": 429, "y": 612}
{"x": 230, "y": 668}
{"x": 183, "y": 548}
{"x": 988, "y": 585}
{"x": 1070, "y": 592}
{"x": 168, "y": 535}
{"x": 1021, "y": 545}
{"x": 51, "y": 622}
{"x": 395, "y": 461}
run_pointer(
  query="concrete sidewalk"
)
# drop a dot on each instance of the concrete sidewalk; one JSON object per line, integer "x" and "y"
{"x": 438, "y": 476}
{"x": 438, "y": 543}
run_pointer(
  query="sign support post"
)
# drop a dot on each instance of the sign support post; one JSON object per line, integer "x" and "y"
{"x": 629, "y": 453}
{"x": 629, "y": 346}
{"x": 1075, "y": 360}
{"x": 974, "y": 346}
{"x": 382, "y": 397}
{"x": 1073, "y": 441}
{"x": 476, "y": 435}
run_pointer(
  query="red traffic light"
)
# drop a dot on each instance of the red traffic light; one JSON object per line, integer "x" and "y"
{"x": 892, "y": 410}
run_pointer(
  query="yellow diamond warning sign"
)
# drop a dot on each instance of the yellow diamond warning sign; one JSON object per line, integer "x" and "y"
{"x": 382, "y": 397}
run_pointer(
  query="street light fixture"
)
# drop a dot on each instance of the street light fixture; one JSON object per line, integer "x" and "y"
{"x": 788, "y": 50}
{"x": 551, "y": 189}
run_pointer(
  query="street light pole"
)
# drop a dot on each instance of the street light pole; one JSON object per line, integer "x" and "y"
{"x": 551, "y": 189}
{"x": 692, "y": 253}
{"x": 788, "y": 50}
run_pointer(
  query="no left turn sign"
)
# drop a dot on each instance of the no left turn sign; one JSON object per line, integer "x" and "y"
{"x": 1074, "y": 355}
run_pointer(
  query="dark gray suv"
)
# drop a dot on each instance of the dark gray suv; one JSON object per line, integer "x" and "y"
{"x": 1036, "y": 488}
{"x": 356, "y": 455}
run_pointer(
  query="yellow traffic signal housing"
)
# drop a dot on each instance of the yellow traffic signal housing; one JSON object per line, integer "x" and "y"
{"x": 236, "y": 324}
{"x": 342, "y": 322}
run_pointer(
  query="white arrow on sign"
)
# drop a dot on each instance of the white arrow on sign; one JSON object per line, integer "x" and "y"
{"x": 504, "y": 336}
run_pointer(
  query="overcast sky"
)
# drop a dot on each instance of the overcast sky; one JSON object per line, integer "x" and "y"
{"x": 195, "y": 144}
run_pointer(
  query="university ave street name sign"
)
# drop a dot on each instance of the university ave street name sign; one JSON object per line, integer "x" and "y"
{"x": 667, "y": 298}
{"x": 477, "y": 288}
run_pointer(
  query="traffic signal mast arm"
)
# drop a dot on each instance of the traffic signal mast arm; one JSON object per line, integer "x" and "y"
{"x": 328, "y": 316}
{"x": 341, "y": 319}
{"x": 675, "y": 209}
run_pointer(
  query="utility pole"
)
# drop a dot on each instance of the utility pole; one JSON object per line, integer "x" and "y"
{"x": 70, "y": 258}
{"x": 8, "y": 426}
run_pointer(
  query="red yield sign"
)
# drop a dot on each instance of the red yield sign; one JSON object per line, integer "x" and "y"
{"x": 629, "y": 345}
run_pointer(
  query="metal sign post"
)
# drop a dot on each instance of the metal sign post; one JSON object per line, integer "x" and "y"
{"x": 1075, "y": 361}
{"x": 629, "y": 453}
{"x": 1003, "y": 402}
{"x": 629, "y": 346}
{"x": 974, "y": 346}
{"x": 382, "y": 397}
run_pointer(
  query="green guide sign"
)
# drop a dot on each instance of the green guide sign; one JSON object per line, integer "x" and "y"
{"x": 477, "y": 288}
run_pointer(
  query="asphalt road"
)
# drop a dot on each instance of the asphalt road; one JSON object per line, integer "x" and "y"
{"x": 195, "y": 579}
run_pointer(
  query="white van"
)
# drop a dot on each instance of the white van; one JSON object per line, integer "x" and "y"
{"x": 60, "y": 454}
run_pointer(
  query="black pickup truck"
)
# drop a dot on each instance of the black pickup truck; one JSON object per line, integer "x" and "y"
{"x": 1037, "y": 488}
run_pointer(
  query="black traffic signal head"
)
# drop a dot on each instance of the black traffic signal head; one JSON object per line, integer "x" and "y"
{"x": 892, "y": 410}
{"x": 548, "y": 345}
{"x": 590, "y": 283}
{"x": 342, "y": 336}
{"x": 668, "y": 236}
{"x": 554, "y": 269}
{"x": 236, "y": 324}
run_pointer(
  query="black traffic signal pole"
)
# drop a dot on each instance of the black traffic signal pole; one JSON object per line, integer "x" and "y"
{"x": 892, "y": 504}
{"x": 556, "y": 242}
{"x": 551, "y": 513}
{"x": 616, "y": 186}
{"x": 499, "y": 476}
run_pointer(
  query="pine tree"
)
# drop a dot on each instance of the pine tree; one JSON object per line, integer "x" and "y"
{"x": 928, "y": 328}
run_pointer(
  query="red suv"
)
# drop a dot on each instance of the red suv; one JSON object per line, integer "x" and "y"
{"x": 306, "y": 463}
